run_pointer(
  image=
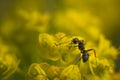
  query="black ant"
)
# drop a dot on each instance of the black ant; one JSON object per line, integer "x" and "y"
{"x": 81, "y": 46}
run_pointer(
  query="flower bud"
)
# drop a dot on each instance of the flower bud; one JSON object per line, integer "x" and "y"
{"x": 48, "y": 47}
{"x": 8, "y": 61}
{"x": 72, "y": 72}
{"x": 35, "y": 72}
{"x": 51, "y": 70}
{"x": 46, "y": 40}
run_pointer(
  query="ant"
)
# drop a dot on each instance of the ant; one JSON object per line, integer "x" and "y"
{"x": 81, "y": 47}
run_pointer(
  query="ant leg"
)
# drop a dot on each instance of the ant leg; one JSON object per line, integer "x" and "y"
{"x": 94, "y": 53}
{"x": 59, "y": 39}
{"x": 70, "y": 46}
{"x": 92, "y": 50}
{"x": 60, "y": 43}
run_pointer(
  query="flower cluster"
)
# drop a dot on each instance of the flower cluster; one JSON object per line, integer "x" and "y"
{"x": 60, "y": 56}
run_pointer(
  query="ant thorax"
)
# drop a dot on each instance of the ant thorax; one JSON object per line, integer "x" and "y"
{"x": 81, "y": 46}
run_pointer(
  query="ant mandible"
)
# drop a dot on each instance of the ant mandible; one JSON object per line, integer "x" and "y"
{"x": 81, "y": 47}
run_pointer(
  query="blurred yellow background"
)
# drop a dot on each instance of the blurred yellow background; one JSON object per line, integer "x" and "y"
{"x": 21, "y": 23}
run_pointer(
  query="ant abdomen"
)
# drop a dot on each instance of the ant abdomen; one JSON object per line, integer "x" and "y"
{"x": 85, "y": 57}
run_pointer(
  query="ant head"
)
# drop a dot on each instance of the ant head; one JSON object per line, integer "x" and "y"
{"x": 75, "y": 40}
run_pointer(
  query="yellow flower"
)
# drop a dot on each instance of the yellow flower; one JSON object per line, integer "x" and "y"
{"x": 35, "y": 72}
{"x": 48, "y": 47}
{"x": 102, "y": 68}
{"x": 51, "y": 70}
{"x": 46, "y": 40}
{"x": 8, "y": 61}
{"x": 12, "y": 63}
{"x": 71, "y": 72}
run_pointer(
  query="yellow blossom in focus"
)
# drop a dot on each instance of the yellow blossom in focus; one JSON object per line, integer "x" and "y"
{"x": 35, "y": 72}
{"x": 47, "y": 45}
{"x": 71, "y": 72}
{"x": 51, "y": 70}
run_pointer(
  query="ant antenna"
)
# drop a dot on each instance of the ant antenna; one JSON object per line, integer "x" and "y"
{"x": 63, "y": 42}
{"x": 61, "y": 37}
